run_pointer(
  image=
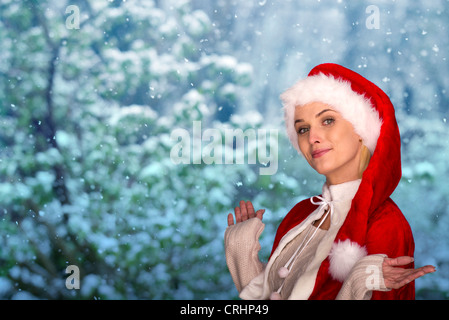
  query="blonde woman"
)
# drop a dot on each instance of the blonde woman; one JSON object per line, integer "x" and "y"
{"x": 352, "y": 241}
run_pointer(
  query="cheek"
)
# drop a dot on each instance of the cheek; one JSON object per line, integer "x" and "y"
{"x": 301, "y": 144}
{"x": 303, "y": 147}
{"x": 349, "y": 146}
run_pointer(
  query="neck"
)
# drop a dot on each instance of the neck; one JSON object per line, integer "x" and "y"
{"x": 342, "y": 191}
{"x": 349, "y": 172}
{"x": 330, "y": 181}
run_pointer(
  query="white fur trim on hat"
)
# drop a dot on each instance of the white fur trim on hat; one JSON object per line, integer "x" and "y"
{"x": 338, "y": 94}
{"x": 343, "y": 256}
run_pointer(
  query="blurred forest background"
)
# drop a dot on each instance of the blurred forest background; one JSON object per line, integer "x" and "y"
{"x": 90, "y": 92}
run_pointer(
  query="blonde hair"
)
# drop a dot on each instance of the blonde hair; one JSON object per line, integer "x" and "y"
{"x": 365, "y": 157}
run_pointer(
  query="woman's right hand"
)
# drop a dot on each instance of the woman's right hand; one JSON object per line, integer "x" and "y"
{"x": 244, "y": 212}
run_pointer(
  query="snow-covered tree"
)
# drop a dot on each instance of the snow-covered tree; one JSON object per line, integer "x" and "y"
{"x": 86, "y": 177}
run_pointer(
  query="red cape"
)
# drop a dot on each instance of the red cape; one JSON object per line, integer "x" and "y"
{"x": 374, "y": 220}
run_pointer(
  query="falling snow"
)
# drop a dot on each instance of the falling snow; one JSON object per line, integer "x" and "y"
{"x": 86, "y": 116}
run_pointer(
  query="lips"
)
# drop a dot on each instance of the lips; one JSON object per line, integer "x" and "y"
{"x": 320, "y": 152}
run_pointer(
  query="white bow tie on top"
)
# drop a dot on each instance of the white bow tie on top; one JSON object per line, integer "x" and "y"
{"x": 323, "y": 203}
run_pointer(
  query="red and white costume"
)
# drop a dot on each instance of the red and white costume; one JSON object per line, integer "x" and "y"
{"x": 366, "y": 225}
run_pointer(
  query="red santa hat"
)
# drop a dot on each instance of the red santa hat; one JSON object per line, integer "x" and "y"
{"x": 340, "y": 88}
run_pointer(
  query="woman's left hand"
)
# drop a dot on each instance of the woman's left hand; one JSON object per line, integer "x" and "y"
{"x": 396, "y": 277}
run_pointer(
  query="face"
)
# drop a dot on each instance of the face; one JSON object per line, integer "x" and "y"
{"x": 328, "y": 142}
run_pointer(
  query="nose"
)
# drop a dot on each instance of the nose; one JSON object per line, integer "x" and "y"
{"x": 315, "y": 135}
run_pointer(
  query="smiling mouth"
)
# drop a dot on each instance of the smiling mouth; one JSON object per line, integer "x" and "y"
{"x": 319, "y": 153}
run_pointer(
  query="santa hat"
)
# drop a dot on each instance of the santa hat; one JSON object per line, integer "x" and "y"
{"x": 342, "y": 89}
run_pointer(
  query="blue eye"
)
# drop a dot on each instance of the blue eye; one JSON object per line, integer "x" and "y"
{"x": 328, "y": 121}
{"x": 302, "y": 130}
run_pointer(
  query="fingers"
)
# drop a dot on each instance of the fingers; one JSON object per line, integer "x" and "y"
{"x": 250, "y": 210}
{"x": 395, "y": 276}
{"x": 243, "y": 212}
{"x": 230, "y": 220}
{"x": 238, "y": 215}
{"x": 428, "y": 269}
{"x": 259, "y": 213}
{"x": 405, "y": 260}
{"x": 399, "y": 261}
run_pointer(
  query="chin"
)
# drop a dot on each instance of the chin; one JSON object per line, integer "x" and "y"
{"x": 322, "y": 168}
{"x": 323, "y": 172}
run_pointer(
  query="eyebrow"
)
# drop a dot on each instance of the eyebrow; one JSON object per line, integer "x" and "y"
{"x": 316, "y": 116}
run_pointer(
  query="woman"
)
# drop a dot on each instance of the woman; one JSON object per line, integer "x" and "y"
{"x": 352, "y": 241}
